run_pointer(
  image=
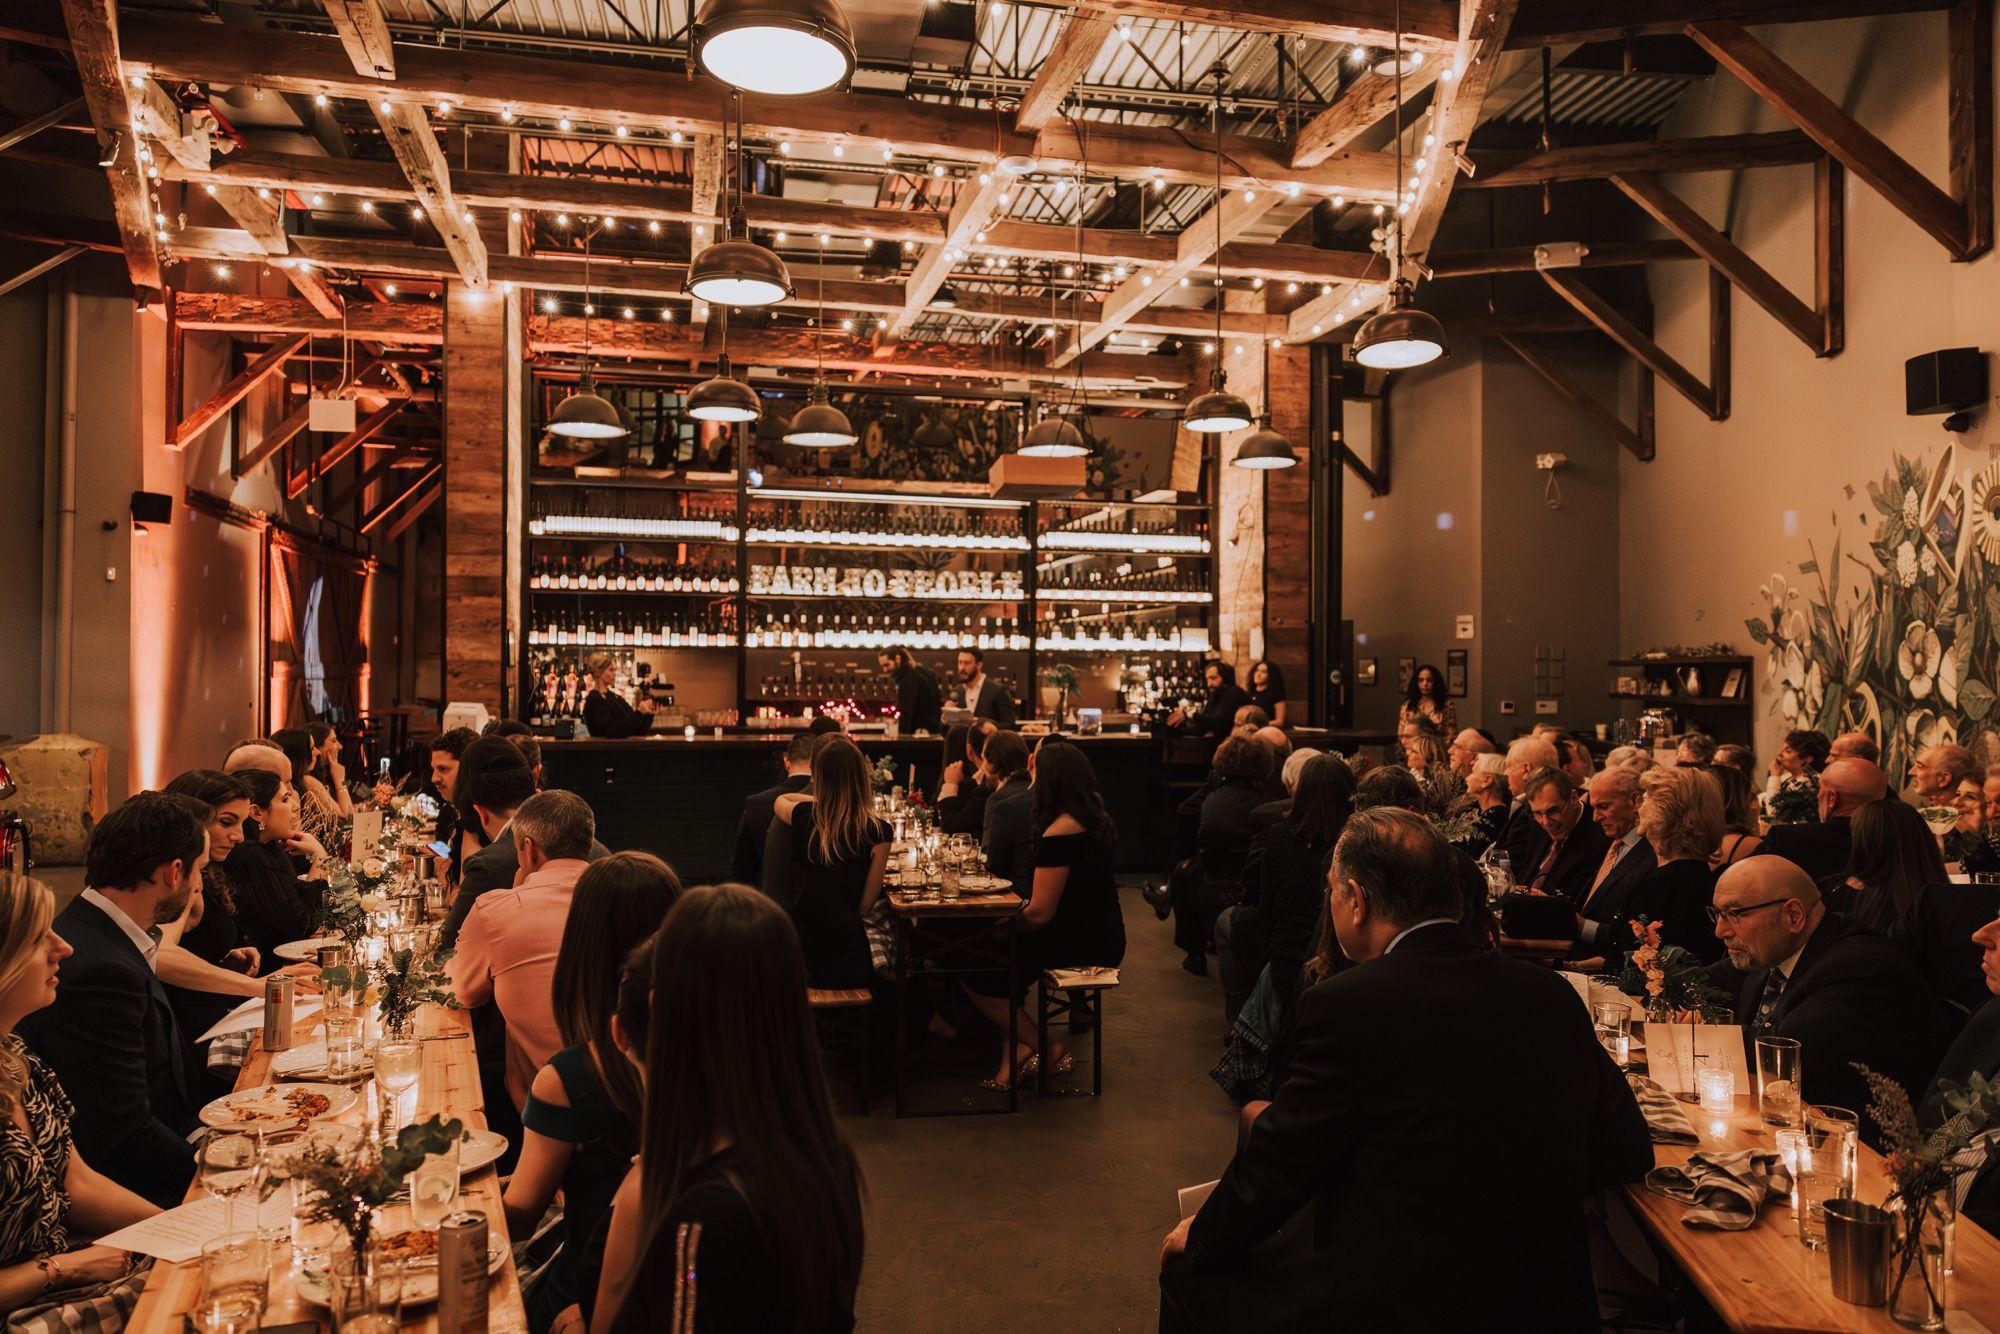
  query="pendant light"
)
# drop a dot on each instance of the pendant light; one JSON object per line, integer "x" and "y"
{"x": 1218, "y": 410}
{"x": 1053, "y": 438}
{"x": 586, "y": 415}
{"x": 783, "y": 47}
{"x": 724, "y": 398}
{"x": 1057, "y": 436}
{"x": 1265, "y": 449}
{"x": 1401, "y": 336}
{"x": 737, "y": 271}
{"x": 819, "y": 424}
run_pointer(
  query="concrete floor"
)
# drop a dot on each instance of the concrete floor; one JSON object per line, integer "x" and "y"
{"x": 1052, "y": 1218}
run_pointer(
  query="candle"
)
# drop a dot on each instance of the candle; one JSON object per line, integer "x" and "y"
{"x": 688, "y": 731}
{"x": 1717, "y": 1089}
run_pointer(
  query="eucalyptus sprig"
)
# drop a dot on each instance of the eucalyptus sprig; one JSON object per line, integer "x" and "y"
{"x": 348, "y": 1186}
{"x": 405, "y": 983}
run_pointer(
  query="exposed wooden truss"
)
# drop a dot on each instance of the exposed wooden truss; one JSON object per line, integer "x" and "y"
{"x": 324, "y": 462}
{"x": 1638, "y": 439}
{"x": 1428, "y": 25}
{"x": 1483, "y": 29}
{"x": 222, "y": 400}
{"x": 1076, "y": 46}
{"x": 93, "y": 40}
{"x": 1361, "y": 106}
{"x": 1711, "y": 397}
{"x": 40, "y": 267}
{"x": 1722, "y": 152}
{"x": 969, "y": 216}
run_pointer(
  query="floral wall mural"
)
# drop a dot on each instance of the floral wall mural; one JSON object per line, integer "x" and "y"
{"x": 1899, "y": 638}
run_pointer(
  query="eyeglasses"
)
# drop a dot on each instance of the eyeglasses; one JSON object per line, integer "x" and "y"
{"x": 1716, "y": 914}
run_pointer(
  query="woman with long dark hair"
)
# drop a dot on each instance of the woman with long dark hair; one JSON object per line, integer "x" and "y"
{"x": 327, "y": 769}
{"x": 1739, "y": 816}
{"x": 275, "y": 903}
{"x": 584, "y": 1108}
{"x": 840, "y": 849}
{"x": 1267, "y": 690}
{"x": 1428, "y": 699}
{"x": 1892, "y": 857}
{"x": 319, "y": 812}
{"x": 207, "y": 930}
{"x": 745, "y": 1210}
{"x": 1072, "y": 919}
{"x": 953, "y": 753}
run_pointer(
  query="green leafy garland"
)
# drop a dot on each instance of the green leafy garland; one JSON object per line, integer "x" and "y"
{"x": 347, "y": 1187}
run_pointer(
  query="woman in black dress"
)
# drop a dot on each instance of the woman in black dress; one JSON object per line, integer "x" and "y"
{"x": 962, "y": 793}
{"x": 276, "y": 898}
{"x": 1073, "y": 919}
{"x": 1293, "y": 869}
{"x": 1681, "y": 817}
{"x": 839, "y": 852}
{"x": 605, "y": 712}
{"x": 745, "y": 1210}
{"x": 1267, "y": 690}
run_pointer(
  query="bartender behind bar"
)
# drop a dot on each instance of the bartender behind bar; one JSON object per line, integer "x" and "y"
{"x": 605, "y": 711}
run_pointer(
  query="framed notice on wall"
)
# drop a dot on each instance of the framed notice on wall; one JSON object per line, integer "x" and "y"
{"x": 1456, "y": 669}
{"x": 1406, "y": 668}
{"x": 1364, "y": 671}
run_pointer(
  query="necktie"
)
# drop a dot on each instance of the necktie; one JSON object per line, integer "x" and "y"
{"x": 1548, "y": 865}
{"x": 1604, "y": 868}
{"x": 1774, "y": 987}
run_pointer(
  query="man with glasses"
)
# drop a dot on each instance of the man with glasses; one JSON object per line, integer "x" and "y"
{"x": 1797, "y": 970}
{"x": 1575, "y": 845}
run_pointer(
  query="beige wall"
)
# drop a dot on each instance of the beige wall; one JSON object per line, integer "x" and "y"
{"x": 1726, "y": 504}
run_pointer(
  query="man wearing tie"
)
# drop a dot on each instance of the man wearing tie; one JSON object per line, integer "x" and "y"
{"x": 1977, "y": 1052}
{"x": 1575, "y": 848}
{"x": 1614, "y": 803}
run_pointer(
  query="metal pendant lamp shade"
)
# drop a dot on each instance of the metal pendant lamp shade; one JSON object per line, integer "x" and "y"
{"x": 1265, "y": 449}
{"x": 1054, "y": 438}
{"x": 1218, "y": 410}
{"x": 819, "y": 424}
{"x": 1401, "y": 336}
{"x": 738, "y": 272}
{"x": 587, "y": 415}
{"x": 783, "y": 47}
{"x": 724, "y": 398}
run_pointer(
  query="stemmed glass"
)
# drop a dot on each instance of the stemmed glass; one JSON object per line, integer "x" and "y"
{"x": 398, "y": 1063}
{"x": 230, "y": 1163}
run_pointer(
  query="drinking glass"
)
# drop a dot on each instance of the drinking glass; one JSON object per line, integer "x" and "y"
{"x": 434, "y": 1187}
{"x": 230, "y": 1163}
{"x": 343, "y": 1047}
{"x": 1613, "y": 1020}
{"x": 398, "y": 1063}
{"x": 235, "y": 1283}
{"x": 1835, "y": 1133}
{"x": 365, "y": 1293}
{"x": 1778, "y": 1081}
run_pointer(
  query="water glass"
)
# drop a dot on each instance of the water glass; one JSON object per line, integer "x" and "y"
{"x": 434, "y": 1187}
{"x": 1778, "y": 1081}
{"x": 1613, "y": 1020}
{"x": 230, "y": 1163}
{"x": 1835, "y": 1133}
{"x": 365, "y": 1293}
{"x": 235, "y": 1282}
{"x": 344, "y": 1048}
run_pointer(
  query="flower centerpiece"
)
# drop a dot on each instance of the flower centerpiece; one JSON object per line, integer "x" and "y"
{"x": 1674, "y": 983}
{"x": 1922, "y": 1167}
{"x": 347, "y": 1187}
{"x": 882, "y": 777}
{"x": 403, "y": 982}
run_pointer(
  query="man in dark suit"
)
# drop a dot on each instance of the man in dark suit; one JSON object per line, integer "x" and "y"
{"x": 1522, "y": 838}
{"x": 1576, "y": 846}
{"x": 747, "y": 866}
{"x": 984, "y": 696}
{"x": 1942, "y": 939}
{"x": 110, "y": 1037}
{"x": 1627, "y": 857}
{"x": 1820, "y": 847}
{"x": 919, "y": 704}
{"x": 1218, "y": 712}
{"x": 1977, "y": 1052}
{"x": 1797, "y": 970}
{"x": 1371, "y": 1123}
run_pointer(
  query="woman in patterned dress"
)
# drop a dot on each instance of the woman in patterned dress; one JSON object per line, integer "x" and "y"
{"x": 51, "y": 1202}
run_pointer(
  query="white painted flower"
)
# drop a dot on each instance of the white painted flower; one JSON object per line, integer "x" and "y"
{"x": 1790, "y": 671}
{"x": 1777, "y": 596}
{"x": 1947, "y": 677}
{"x": 1906, "y": 564}
{"x": 1917, "y": 658}
{"x": 372, "y": 868}
{"x": 1926, "y": 729}
{"x": 1927, "y": 562}
{"x": 1813, "y": 691}
{"x": 1912, "y": 506}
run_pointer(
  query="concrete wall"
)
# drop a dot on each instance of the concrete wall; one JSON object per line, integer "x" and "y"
{"x": 23, "y": 316}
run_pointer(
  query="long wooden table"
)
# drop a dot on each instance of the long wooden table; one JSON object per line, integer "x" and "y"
{"x": 448, "y": 1087}
{"x": 920, "y": 949}
{"x": 1764, "y": 1280}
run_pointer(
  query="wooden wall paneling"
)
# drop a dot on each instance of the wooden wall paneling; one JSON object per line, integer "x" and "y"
{"x": 1288, "y": 526}
{"x": 475, "y": 433}
{"x": 1970, "y": 74}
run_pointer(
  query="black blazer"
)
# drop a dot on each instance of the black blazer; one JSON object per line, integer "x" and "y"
{"x": 1819, "y": 848}
{"x": 1218, "y": 712}
{"x": 1852, "y": 996}
{"x": 1634, "y": 866}
{"x": 964, "y": 812}
{"x": 1676, "y": 895}
{"x": 918, "y": 703}
{"x": 747, "y": 865}
{"x": 1371, "y": 1129}
{"x": 610, "y": 716}
{"x": 1976, "y": 1052}
{"x": 1582, "y": 852}
{"x": 1937, "y": 937}
{"x": 1525, "y": 843}
{"x": 1008, "y": 838}
{"x": 993, "y": 702}
{"x": 111, "y": 1039}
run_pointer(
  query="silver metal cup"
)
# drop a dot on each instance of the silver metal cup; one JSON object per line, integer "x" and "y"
{"x": 1858, "y": 1238}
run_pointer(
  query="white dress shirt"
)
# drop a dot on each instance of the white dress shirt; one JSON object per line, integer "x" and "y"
{"x": 147, "y": 941}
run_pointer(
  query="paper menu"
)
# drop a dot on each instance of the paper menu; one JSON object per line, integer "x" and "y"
{"x": 177, "y": 1235}
{"x": 1675, "y": 1051}
{"x": 367, "y": 836}
{"x": 1191, "y": 1198}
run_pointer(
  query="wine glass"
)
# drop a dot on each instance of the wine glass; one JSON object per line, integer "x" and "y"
{"x": 434, "y": 1187}
{"x": 398, "y": 1063}
{"x": 230, "y": 1163}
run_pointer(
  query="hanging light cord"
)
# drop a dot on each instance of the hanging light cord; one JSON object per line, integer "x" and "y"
{"x": 1076, "y": 299}
{"x": 1397, "y": 267}
{"x": 588, "y": 233}
{"x": 1220, "y": 74}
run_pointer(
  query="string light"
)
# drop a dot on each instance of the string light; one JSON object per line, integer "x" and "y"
{"x": 562, "y": 219}
{"x": 666, "y": 314}
{"x": 263, "y": 193}
{"x": 589, "y": 309}
{"x": 886, "y": 154}
{"x": 847, "y": 326}
{"x": 549, "y": 305}
{"x": 1326, "y": 289}
{"x": 785, "y": 147}
{"x": 318, "y": 200}
{"x": 507, "y": 114}
{"x": 514, "y": 216}
{"x": 628, "y": 312}
{"x": 211, "y": 190}
{"x": 622, "y": 132}
{"x": 416, "y": 213}
{"x": 368, "y": 206}
{"x": 936, "y": 170}
{"x": 389, "y": 289}
{"x": 563, "y": 124}
{"x": 319, "y": 99}
{"x": 654, "y": 226}
{"x": 444, "y": 108}
{"x": 222, "y": 270}
{"x": 674, "y": 137}
{"x": 1257, "y": 284}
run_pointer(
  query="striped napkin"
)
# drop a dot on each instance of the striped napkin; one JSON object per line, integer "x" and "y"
{"x": 1723, "y": 1190}
{"x": 1664, "y": 1116}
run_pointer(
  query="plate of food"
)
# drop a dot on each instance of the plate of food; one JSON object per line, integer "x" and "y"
{"x": 278, "y": 1106}
{"x": 308, "y": 1062}
{"x": 300, "y": 951}
{"x": 480, "y": 1148}
{"x": 417, "y": 1249}
{"x": 976, "y": 883}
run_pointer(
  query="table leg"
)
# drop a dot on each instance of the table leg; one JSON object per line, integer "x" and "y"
{"x": 902, "y": 1026}
{"x": 1013, "y": 1047}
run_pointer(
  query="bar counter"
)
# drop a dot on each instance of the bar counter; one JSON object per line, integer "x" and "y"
{"x": 681, "y": 798}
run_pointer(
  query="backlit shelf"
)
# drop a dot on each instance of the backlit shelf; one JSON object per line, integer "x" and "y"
{"x": 591, "y": 525}
{"x": 1121, "y": 595}
{"x": 588, "y": 638}
{"x": 915, "y": 639}
{"x": 1138, "y": 543}
{"x": 708, "y": 586}
{"x": 820, "y": 537}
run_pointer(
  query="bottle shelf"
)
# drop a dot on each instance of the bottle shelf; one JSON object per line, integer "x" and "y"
{"x": 877, "y": 540}
{"x": 974, "y": 599}
{"x": 1125, "y": 644}
{"x": 698, "y": 588}
{"x": 1137, "y": 597}
{"x": 1184, "y": 544}
{"x": 591, "y": 527}
{"x": 662, "y": 638}
{"x": 879, "y": 639}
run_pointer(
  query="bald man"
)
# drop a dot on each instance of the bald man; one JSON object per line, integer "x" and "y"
{"x": 256, "y": 756}
{"x": 1820, "y": 847}
{"x": 1797, "y": 970}
{"x": 1855, "y": 746}
{"x": 1466, "y": 748}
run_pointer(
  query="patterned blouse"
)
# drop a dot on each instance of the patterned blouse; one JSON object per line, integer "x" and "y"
{"x": 34, "y": 1202}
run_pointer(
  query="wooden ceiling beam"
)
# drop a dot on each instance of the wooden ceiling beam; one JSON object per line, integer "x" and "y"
{"x": 429, "y": 477}
{"x": 416, "y": 511}
{"x": 341, "y": 448}
{"x": 492, "y": 82}
{"x": 408, "y": 129}
{"x": 1455, "y": 112}
{"x": 1712, "y": 398}
{"x": 363, "y": 30}
{"x": 1558, "y": 22}
{"x": 1521, "y": 259}
{"x": 1428, "y": 25}
{"x": 1361, "y": 106}
{"x": 1638, "y": 441}
{"x": 398, "y": 323}
{"x": 969, "y": 216}
{"x": 1722, "y": 152}
{"x": 93, "y": 35}
{"x": 1083, "y": 35}
{"x": 232, "y": 393}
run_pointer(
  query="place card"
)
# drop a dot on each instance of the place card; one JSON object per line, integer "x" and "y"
{"x": 177, "y": 1235}
{"x": 1580, "y": 981}
{"x": 1676, "y": 1052}
{"x": 367, "y": 835}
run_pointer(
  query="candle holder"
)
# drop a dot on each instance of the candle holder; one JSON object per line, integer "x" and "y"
{"x": 1717, "y": 1089}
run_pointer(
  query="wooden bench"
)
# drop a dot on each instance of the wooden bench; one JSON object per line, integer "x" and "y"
{"x": 1074, "y": 993}
{"x": 848, "y": 1010}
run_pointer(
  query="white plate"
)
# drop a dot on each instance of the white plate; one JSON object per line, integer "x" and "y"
{"x": 309, "y": 1062}
{"x": 299, "y": 951}
{"x": 310, "y": 1284}
{"x": 480, "y": 1148}
{"x": 269, "y": 1106}
{"x": 981, "y": 884}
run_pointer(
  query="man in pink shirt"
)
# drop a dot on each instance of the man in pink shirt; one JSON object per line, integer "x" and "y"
{"x": 507, "y": 947}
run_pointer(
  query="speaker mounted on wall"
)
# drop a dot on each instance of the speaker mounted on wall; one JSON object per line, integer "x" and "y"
{"x": 1950, "y": 381}
{"x": 152, "y": 507}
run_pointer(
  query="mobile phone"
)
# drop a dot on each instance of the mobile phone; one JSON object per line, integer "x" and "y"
{"x": 440, "y": 848}
{"x": 383, "y": 767}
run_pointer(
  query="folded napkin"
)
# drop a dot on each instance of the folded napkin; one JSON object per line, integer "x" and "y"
{"x": 1664, "y": 1116}
{"x": 1723, "y": 1190}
